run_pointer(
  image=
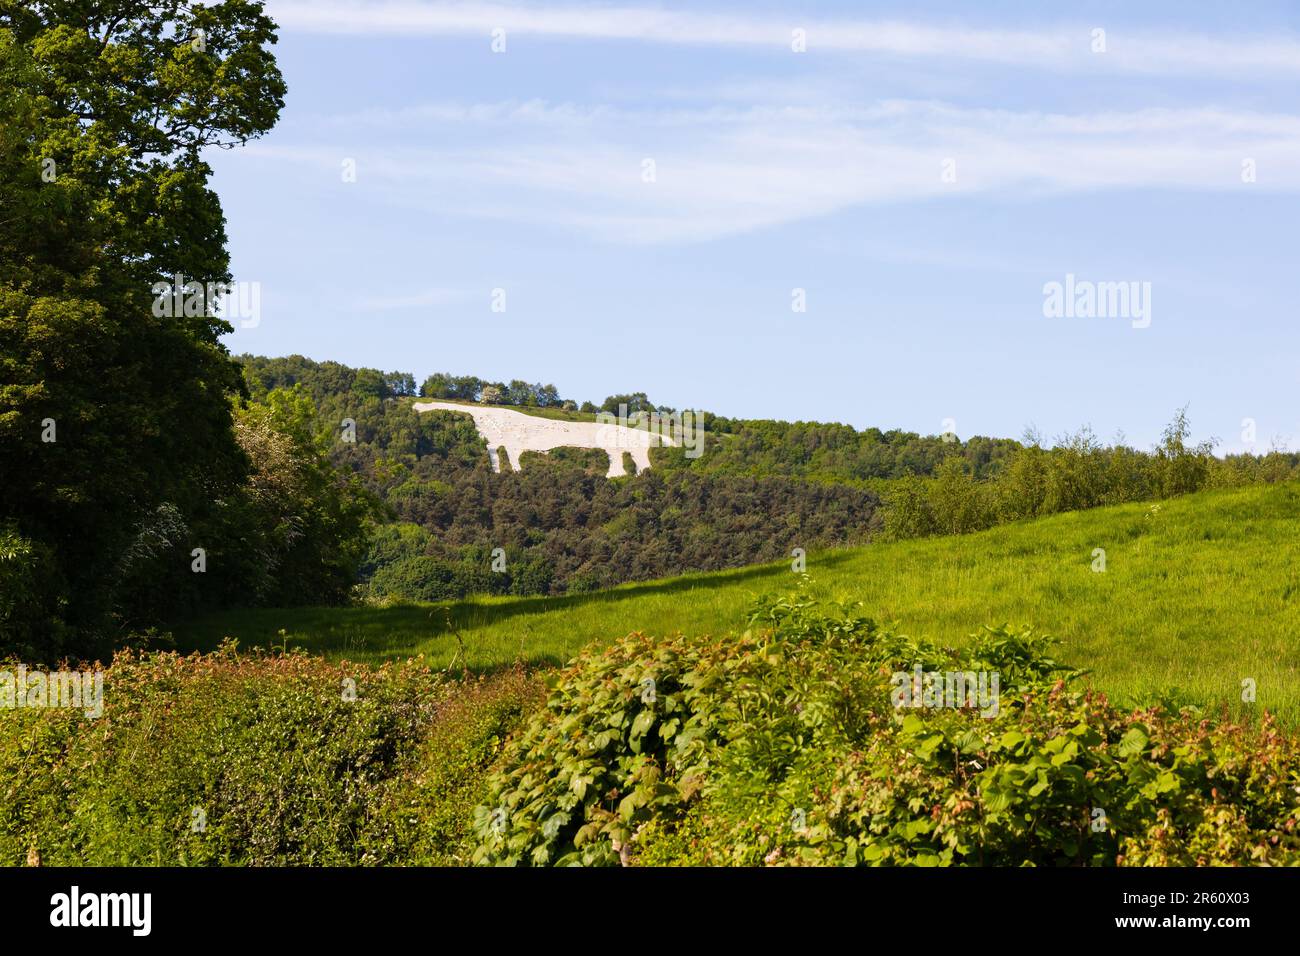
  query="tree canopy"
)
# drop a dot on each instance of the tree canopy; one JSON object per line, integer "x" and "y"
{"x": 116, "y": 422}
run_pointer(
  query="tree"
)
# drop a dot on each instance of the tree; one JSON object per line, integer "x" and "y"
{"x": 114, "y": 415}
{"x": 1180, "y": 468}
{"x": 437, "y": 385}
{"x": 519, "y": 392}
{"x": 312, "y": 523}
{"x": 635, "y": 402}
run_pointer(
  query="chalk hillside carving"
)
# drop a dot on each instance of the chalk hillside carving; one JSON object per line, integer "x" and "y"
{"x": 516, "y": 433}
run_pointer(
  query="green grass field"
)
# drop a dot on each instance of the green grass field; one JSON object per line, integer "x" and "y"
{"x": 1198, "y": 594}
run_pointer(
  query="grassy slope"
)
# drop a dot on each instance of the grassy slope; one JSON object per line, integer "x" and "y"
{"x": 1198, "y": 593}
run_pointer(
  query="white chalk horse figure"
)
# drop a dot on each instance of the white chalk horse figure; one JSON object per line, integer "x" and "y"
{"x": 516, "y": 433}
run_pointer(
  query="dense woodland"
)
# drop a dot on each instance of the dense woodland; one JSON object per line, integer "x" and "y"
{"x": 562, "y": 525}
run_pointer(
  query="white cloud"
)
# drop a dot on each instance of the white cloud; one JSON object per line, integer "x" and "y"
{"x": 726, "y": 171}
{"x": 1064, "y": 48}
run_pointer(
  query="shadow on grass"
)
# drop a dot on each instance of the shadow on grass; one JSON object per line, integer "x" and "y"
{"x": 374, "y": 634}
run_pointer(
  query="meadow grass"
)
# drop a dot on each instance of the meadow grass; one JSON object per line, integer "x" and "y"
{"x": 1198, "y": 594}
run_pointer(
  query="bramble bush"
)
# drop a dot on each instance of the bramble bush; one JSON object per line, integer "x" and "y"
{"x": 782, "y": 746}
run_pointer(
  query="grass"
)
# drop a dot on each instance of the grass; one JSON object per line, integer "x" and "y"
{"x": 1198, "y": 594}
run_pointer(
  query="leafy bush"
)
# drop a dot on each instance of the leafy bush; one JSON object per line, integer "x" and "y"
{"x": 426, "y": 815}
{"x": 783, "y": 745}
{"x": 262, "y": 760}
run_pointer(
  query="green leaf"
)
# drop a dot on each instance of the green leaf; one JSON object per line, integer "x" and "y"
{"x": 1133, "y": 742}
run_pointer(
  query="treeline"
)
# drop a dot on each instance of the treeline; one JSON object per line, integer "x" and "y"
{"x": 812, "y": 451}
{"x": 1077, "y": 472}
{"x": 817, "y": 451}
{"x": 471, "y": 388}
{"x": 333, "y": 378}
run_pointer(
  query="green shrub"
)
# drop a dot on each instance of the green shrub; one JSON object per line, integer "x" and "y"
{"x": 252, "y": 760}
{"x": 427, "y": 812}
{"x": 783, "y": 745}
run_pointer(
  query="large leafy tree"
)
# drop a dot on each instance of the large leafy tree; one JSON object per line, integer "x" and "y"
{"x": 115, "y": 423}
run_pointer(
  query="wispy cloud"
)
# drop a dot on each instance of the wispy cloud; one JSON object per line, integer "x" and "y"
{"x": 647, "y": 176}
{"x": 1065, "y": 48}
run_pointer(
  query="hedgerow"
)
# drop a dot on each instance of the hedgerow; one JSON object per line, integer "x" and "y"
{"x": 262, "y": 759}
{"x": 783, "y": 746}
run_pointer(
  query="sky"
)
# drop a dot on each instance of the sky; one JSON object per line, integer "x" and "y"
{"x": 849, "y": 212}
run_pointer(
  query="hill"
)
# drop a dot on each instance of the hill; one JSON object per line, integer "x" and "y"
{"x": 758, "y": 489}
{"x": 1198, "y": 594}
{"x": 453, "y": 527}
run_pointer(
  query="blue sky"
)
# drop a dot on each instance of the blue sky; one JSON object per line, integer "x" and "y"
{"x": 829, "y": 170}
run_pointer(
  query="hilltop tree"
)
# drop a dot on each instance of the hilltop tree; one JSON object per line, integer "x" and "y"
{"x": 635, "y": 402}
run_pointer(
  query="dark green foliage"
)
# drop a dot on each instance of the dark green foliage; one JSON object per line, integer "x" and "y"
{"x": 296, "y": 532}
{"x": 630, "y": 404}
{"x": 104, "y": 111}
{"x": 585, "y": 527}
{"x": 293, "y": 533}
{"x": 470, "y": 388}
{"x": 31, "y": 597}
{"x": 759, "y": 489}
{"x": 825, "y": 452}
